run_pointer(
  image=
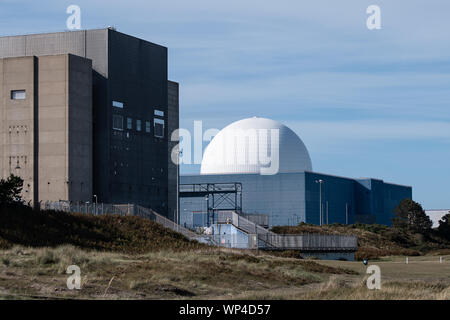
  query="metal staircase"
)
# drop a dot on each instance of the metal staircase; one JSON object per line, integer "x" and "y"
{"x": 272, "y": 241}
{"x": 258, "y": 237}
{"x": 152, "y": 215}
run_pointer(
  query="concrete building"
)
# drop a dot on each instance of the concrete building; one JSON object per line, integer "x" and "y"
{"x": 95, "y": 107}
{"x": 46, "y": 125}
{"x": 292, "y": 194}
{"x": 173, "y": 168}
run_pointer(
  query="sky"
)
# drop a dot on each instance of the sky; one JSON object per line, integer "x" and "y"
{"x": 366, "y": 103}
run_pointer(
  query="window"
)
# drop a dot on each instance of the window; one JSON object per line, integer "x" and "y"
{"x": 159, "y": 113}
{"x": 117, "y": 104}
{"x": 117, "y": 122}
{"x": 18, "y": 95}
{"x": 129, "y": 123}
{"x": 159, "y": 128}
{"x": 147, "y": 126}
{"x": 138, "y": 125}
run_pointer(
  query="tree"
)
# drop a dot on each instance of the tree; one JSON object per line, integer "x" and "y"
{"x": 444, "y": 226}
{"x": 410, "y": 216}
{"x": 10, "y": 190}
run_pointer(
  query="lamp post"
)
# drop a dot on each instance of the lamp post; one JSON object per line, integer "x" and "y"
{"x": 96, "y": 203}
{"x": 207, "y": 211}
{"x": 320, "y": 181}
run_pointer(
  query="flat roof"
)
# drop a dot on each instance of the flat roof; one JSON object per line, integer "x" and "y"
{"x": 312, "y": 172}
{"x": 81, "y": 30}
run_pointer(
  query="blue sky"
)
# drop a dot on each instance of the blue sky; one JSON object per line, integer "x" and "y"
{"x": 366, "y": 103}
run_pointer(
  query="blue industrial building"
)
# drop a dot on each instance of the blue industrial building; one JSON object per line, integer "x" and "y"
{"x": 293, "y": 194}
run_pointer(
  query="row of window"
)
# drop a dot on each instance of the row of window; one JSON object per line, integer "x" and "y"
{"x": 120, "y": 105}
{"x": 158, "y": 125}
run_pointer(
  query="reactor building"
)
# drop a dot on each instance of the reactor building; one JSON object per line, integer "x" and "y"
{"x": 273, "y": 169}
{"x": 86, "y": 115}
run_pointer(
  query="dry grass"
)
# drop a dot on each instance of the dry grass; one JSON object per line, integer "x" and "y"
{"x": 336, "y": 289}
{"x": 212, "y": 274}
{"x": 202, "y": 273}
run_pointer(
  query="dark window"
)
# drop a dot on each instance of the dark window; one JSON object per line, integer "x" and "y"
{"x": 138, "y": 125}
{"x": 159, "y": 128}
{"x": 117, "y": 122}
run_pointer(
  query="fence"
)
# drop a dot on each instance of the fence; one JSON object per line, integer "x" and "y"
{"x": 123, "y": 210}
{"x": 259, "y": 219}
{"x": 270, "y": 240}
{"x": 90, "y": 208}
{"x": 258, "y": 237}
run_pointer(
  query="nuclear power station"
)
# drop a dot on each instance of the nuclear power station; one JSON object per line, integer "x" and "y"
{"x": 86, "y": 115}
{"x": 282, "y": 191}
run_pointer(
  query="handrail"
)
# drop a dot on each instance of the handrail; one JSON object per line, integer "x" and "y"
{"x": 265, "y": 238}
{"x": 289, "y": 241}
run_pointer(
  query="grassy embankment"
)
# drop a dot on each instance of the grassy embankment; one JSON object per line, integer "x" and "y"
{"x": 131, "y": 257}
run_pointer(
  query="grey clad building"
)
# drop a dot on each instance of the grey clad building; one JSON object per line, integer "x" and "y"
{"x": 87, "y": 113}
{"x": 290, "y": 193}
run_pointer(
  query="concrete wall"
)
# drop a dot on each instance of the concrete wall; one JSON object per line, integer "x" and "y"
{"x": 53, "y": 128}
{"x": 47, "y": 138}
{"x": 80, "y": 129}
{"x": 65, "y": 128}
{"x": 91, "y": 44}
{"x": 173, "y": 124}
{"x": 17, "y": 124}
{"x": 131, "y": 167}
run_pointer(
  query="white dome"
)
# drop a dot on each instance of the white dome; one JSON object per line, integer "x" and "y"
{"x": 255, "y": 145}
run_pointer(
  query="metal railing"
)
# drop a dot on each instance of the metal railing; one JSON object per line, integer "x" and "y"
{"x": 90, "y": 208}
{"x": 270, "y": 240}
{"x": 165, "y": 222}
{"x": 124, "y": 210}
{"x": 259, "y": 237}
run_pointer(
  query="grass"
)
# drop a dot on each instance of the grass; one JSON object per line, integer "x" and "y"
{"x": 130, "y": 234}
{"x": 203, "y": 274}
{"x": 39, "y": 273}
{"x": 134, "y": 258}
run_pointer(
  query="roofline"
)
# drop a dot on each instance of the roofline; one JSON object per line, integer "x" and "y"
{"x": 49, "y": 32}
{"x": 356, "y": 179}
{"x": 81, "y": 30}
{"x": 298, "y": 172}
